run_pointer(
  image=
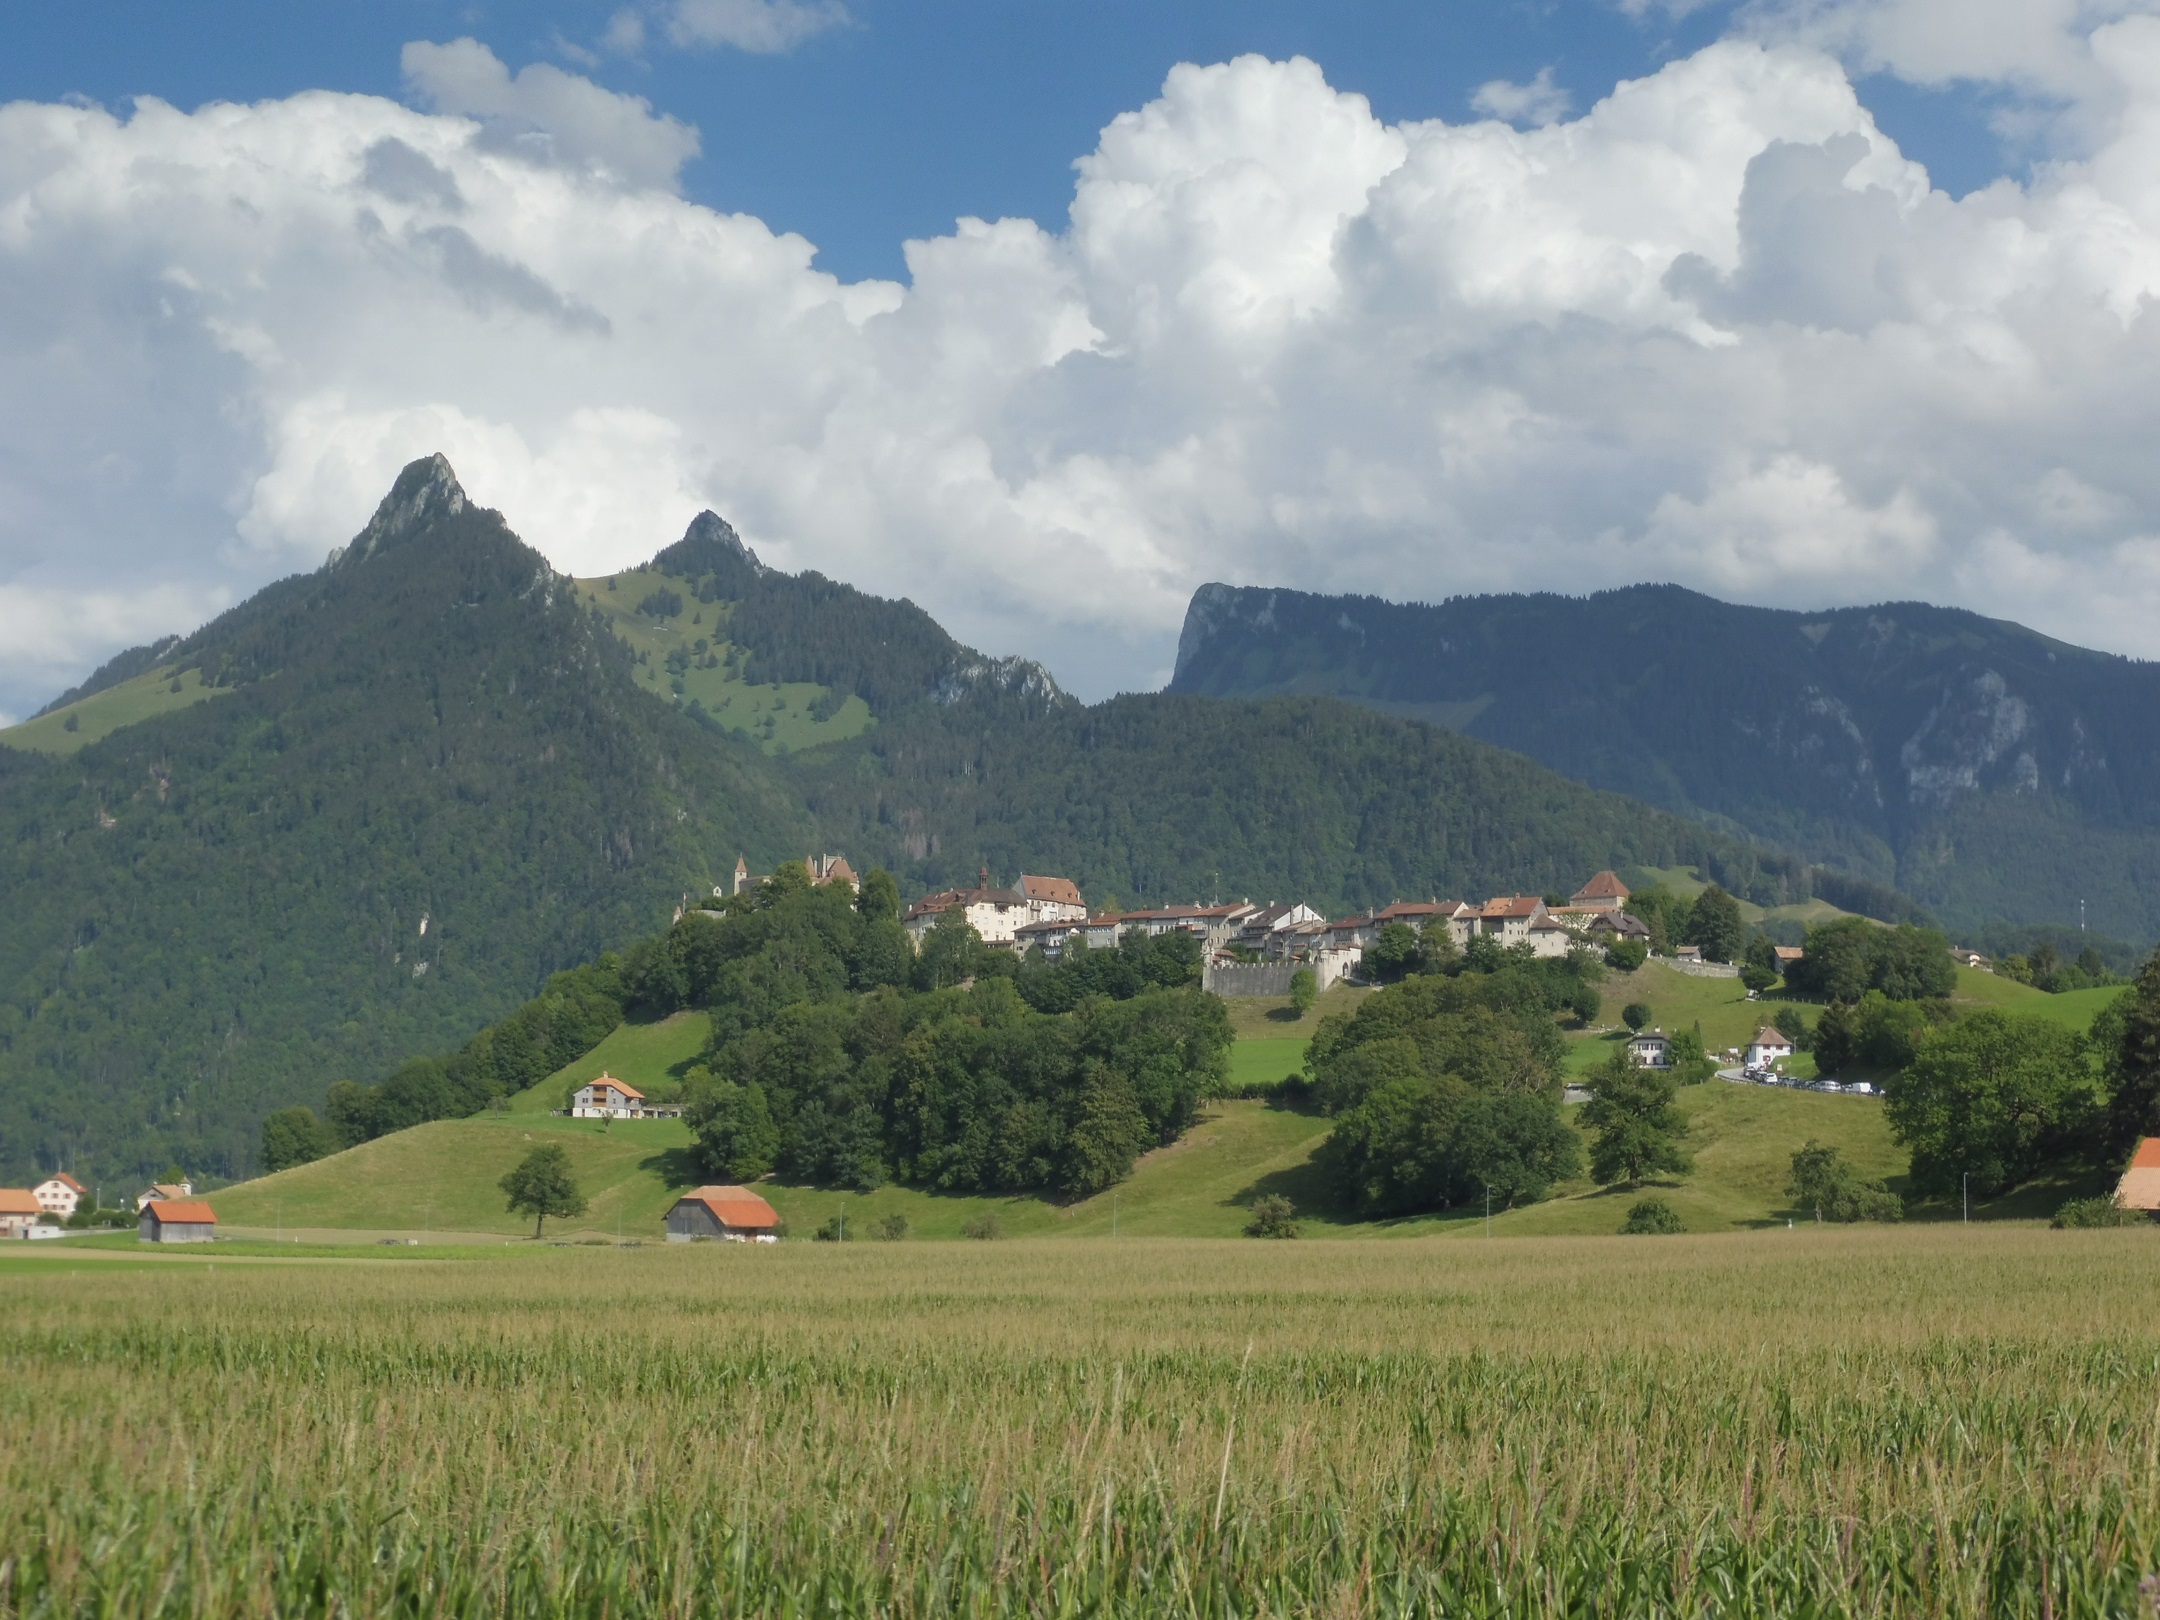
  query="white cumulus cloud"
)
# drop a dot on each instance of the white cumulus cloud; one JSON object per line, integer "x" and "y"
{"x": 1539, "y": 102}
{"x": 1717, "y": 329}
{"x": 764, "y": 27}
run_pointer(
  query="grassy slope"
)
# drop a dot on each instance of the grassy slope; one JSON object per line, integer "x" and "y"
{"x": 102, "y": 713}
{"x": 736, "y": 704}
{"x": 442, "y": 1177}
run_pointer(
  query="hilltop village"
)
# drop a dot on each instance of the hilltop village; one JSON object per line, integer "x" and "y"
{"x": 1047, "y": 913}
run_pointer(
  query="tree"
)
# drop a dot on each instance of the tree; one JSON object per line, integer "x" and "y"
{"x": 1845, "y": 959}
{"x": 2133, "y": 1063}
{"x": 1761, "y": 969}
{"x": 1108, "y": 1134}
{"x": 1792, "y": 1023}
{"x": 951, "y": 951}
{"x": 1304, "y": 991}
{"x": 1992, "y": 1097}
{"x": 1390, "y": 957}
{"x": 1714, "y": 923}
{"x": 1822, "y": 1181}
{"x": 542, "y": 1185}
{"x": 890, "y": 1228}
{"x": 1437, "y": 950}
{"x": 1639, "y": 1127}
{"x": 1626, "y": 955}
{"x": 1651, "y": 1217}
{"x": 1273, "y": 1216}
{"x": 879, "y": 896}
{"x": 295, "y": 1136}
{"x": 1635, "y": 1014}
{"x": 736, "y": 1137}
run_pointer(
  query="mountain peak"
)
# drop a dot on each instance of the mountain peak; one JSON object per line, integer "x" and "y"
{"x": 711, "y": 546}
{"x": 427, "y": 490}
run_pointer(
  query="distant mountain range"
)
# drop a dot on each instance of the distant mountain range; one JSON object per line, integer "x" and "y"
{"x": 370, "y": 809}
{"x": 1996, "y": 775}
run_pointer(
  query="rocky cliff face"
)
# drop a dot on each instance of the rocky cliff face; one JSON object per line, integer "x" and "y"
{"x": 1991, "y": 771}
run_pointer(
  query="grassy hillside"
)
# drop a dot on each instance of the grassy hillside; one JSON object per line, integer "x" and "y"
{"x": 780, "y": 717}
{"x": 441, "y": 1178}
{"x": 160, "y": 691}
{"x": 652, "y": 1057}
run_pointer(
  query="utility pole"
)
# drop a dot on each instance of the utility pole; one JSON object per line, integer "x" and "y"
{"x": 1488, "y": 1209}
{"x": 1113, "y": 1212}
{"x": 1965, "y": 1187}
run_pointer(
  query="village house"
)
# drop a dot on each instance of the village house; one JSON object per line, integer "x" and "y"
{"x": 1610, "y": 927}
{"x": 1553, "y": 935}
{"x": 1269, "y": 931}
{"x": 164, "y": 1190}
{"x": 1507, "y": 918}
{"x": 1050, "y": 936}
{"x": 177, "y": 1220}
{"x": 1651, "y": 1049}
{"x": 1052, "y": 899}
{"x": 609, "y": 1098}
{"x": 19, "y": 1212}
{"x": 1604, "y": 892}
{"x": 2140, "y": 1184}
{"x": 1788, "y": 957}
{"x": 60, "y": 1195}
{"x": 996, "y": 914}
{"x": 822, "y": 869}
{"x": 722, "y": 1215}
{"x": 1769, "y": 1046}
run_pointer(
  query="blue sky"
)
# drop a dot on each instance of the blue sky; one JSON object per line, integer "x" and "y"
{"x": 1837, "y": 301}
{"x": 910, "y": 115}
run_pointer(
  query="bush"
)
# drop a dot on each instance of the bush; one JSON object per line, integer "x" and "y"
{"x": 1635, "y": 1014}
{"x": 1823, "y": 1182}
{"x": 1626, "y": 955}
{"x": 984, "y": 1228}
{"x": 890, "y": 1228}
{"x": 1651, "y": 1217}
{"x": 1273, "y": 1216}
{"x": 1304, "y": 991}
{"x": 833, "y": 1231}
{"x": 2084, "y": 1212}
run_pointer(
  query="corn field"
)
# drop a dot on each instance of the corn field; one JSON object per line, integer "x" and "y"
{"x": 1916, "y": 1422}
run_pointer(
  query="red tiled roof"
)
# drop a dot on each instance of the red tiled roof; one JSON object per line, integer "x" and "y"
{"x": 735, "y": 1206}
{"x": 1604, "y": 886}
{"x": 1767, "y": 1036}
{"x": 19, "y": 1201}
{"x": 1513, "y": 905}
{"x": 622, "y": 1086}
{"x": 67, "y": 1181}
{"x": 2147, "y": 1156}
{"x": 1062, "y": 891}
{"x": 181, "y": 1209}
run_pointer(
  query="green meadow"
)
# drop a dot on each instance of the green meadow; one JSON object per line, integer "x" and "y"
{"x": 779, "y": 717}
{"x": 102, "y": 713}
{"x": 1930, "y": 1421}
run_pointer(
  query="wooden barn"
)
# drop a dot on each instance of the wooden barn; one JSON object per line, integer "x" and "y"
{"x": 177, "y": 1220}
{"x": 722, "y": 1214}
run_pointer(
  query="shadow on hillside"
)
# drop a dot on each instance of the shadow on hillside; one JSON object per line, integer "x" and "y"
{"x": 676, "y": 1167}
{"x": 1305, "y": 1185}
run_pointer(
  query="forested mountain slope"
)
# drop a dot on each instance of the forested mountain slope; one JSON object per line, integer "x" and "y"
{"x": 1989, "y": 771}
{"x": 389, "y": 797}
{"x": 427, "y": 780}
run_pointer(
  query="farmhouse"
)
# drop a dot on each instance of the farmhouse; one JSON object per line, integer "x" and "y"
{"x": 610, "y": 1098}
{"x": 60, "y": 1195}
{"x": 2140, "y": 1184}
{"x": 1508, "y": 917}
{"x": 19, "y": 1212}
{"x": 722, "y": 1214}
{"x": 1788, "y": 957}
{"x": 1652, "y": 1049}
{"x": 1610, "y": 927}
{"x": 177, "y": 1220}
{"x": 164, "y": 1190}
{"x": 1768, "y": 1047}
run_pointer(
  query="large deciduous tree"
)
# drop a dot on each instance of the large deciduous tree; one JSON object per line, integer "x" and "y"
{"x": 542, "y": 1185}
{"x": 1639, "y": 1130}
{"x": 1992, "y": 1097}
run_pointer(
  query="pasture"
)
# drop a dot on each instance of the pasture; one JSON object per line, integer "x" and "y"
{"x": 1926, "y": 1421}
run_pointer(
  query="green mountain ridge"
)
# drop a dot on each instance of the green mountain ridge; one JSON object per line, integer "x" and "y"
{"x": 433, "y": 771}
{"x": 1993, "y": 773}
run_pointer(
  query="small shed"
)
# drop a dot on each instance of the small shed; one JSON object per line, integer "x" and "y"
{"x": 2140, "y": 1184}
{"x": 177, "y": 1220}
{"x": 724, "y": 1214}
